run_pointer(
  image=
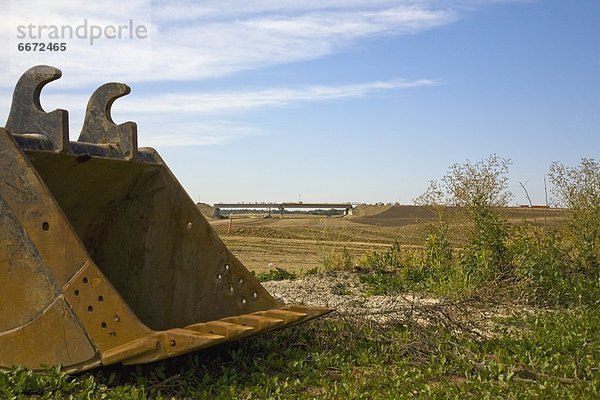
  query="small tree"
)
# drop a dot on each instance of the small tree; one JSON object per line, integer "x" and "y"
{"x": 482, "y": 182}
{"x": 478, "y": 186}
{"x": 578, "y": 189}
{"x": 437, "y": 252}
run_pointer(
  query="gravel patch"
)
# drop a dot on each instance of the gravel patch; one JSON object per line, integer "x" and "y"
{"x": 344, "y": 292}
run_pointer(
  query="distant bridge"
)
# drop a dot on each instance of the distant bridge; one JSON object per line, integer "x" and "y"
{"x": 217, "y": 207}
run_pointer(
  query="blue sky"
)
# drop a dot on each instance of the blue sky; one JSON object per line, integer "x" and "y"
{"x": 336, "y": 100}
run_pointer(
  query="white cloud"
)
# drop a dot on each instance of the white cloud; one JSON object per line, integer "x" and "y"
{"x": 197, "y": 134}
{"x": 186, "y": 107}
{"x": 215, "y": 10}
{"x": 233, "y": 101}
{"x": 209, "y": 49}
{"x": 190, "y": 41}
{"x": 153, "y": 111}
{"x": 178, "y": 10}
{"x": 218, "y": 102}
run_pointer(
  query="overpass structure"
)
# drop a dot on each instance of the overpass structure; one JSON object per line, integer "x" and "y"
{"x": 217, "y": 207}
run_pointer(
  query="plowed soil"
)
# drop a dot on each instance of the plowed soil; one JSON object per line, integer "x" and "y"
{"x": 301, "y": 242}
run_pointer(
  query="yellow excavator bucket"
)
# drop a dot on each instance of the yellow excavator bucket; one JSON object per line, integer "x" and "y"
{"x": 104, "y": 258}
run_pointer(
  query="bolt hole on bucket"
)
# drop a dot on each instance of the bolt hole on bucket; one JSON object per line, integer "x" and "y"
{"x": 111, "y": 277}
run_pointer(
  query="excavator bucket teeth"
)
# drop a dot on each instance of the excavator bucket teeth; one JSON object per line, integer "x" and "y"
{"x": 104, "y": 258}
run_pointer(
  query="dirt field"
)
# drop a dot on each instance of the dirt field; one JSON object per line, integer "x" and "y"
{"x": 300, "y": 242}
{"x": 297, "y": 242}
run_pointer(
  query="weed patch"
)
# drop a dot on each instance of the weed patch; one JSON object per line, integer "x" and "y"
{"x": 545, "y": 355}
{"x": 277, "y": 274}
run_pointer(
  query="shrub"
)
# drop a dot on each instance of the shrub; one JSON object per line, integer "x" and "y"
{"x": 388, "y": 260}
{"x": 480, "y": 187}
{"x": 277, "y": 274}
{"x": 337, "y": 260}
{"x": 541, "y": 266}
{"x": 539, "y": 263}
{"x": 437, "y": 252}
{"x": 547, "y": 271}
{"x": 486, "y": 255}
{"x": 578, "y": 189}
{"x": 465, "y": 184}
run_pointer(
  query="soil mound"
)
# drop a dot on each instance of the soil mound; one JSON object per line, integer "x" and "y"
{"x": 205, "y": 209}
{"x": 396, "y": 215}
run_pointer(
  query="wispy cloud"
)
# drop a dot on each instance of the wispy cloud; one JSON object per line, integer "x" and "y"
{"x": 221, "y": 102}
{"x": 222, "y": 47}
{"x": 187, "y": 110}
{"x": 182, "y": 10}
{"x": 190, "y": 40}
{"x": 197, "y": 134}
{"x": 232, "y": 101}
{"x": 190, "y": 108}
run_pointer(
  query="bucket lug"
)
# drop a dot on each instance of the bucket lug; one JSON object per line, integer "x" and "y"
{"x": 27, "y": 115}
{"x": 98, "y": 126}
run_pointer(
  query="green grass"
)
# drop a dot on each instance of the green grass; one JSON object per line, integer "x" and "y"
{"x": 277, "y": 274}
{"x": 548, "y": 355}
